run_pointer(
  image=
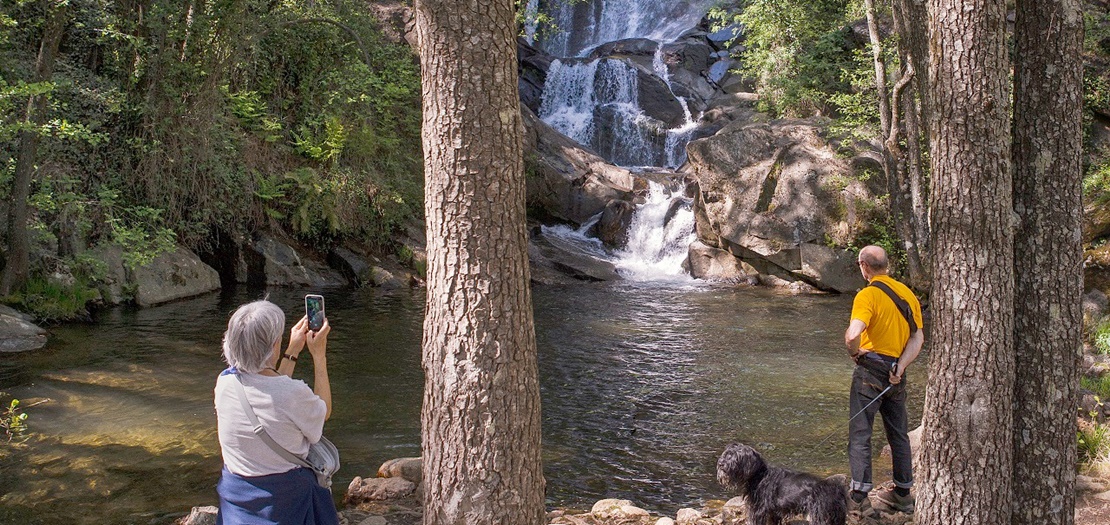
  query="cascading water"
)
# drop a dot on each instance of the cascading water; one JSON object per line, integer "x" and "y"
{"x": 596, "y": 102}
{"x": 583, "y": 26}
{"x": 658, "y": 238}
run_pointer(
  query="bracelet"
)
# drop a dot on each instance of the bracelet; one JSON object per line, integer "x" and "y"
{"x": 292, "y": 358}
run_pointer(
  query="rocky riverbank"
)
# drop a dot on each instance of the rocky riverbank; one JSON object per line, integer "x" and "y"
{"x": 393, "y": 498}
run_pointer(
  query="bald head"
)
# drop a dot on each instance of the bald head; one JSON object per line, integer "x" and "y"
{"x": 875, "y": 259}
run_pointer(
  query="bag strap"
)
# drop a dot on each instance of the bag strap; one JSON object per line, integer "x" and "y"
{"x": 900, "y": 303}
{"x": 261, "y": 432}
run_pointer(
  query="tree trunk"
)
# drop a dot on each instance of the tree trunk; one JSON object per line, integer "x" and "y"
{"x": 481, "y": 414}
{"x": 1048, "y": 273}
{"x": 17, "y": 261}
{"x": 967, "y": 448}
{"x": 909, "y": 23}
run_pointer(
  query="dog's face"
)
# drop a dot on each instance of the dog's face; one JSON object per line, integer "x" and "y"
{"x": 737, "y": 464}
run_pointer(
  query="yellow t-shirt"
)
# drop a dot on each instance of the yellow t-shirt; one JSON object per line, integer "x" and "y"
{"x": 887, "y": 331}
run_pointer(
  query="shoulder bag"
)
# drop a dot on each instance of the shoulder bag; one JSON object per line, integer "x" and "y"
{"x": 322, "y": 459}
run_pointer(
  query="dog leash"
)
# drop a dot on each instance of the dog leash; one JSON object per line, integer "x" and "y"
{"x": 862, "y": 410}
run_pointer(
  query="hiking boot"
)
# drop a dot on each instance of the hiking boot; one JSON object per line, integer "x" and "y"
{"x": 860, "y": 510}
{"x": 889, "y": 499}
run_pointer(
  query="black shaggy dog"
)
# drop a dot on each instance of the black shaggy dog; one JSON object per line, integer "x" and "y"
{"x": 773, "y": 493}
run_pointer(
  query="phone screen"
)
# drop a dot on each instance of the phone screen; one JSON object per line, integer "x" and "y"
{"x": 314, "y": 309}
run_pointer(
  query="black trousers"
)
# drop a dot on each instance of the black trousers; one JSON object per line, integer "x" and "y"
{"x": 866, "y": 386}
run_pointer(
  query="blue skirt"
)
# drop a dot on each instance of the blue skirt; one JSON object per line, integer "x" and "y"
{"x": 289, "y": 498}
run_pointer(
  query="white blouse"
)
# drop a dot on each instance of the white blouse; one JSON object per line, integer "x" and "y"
{"x": 287, "y": 408}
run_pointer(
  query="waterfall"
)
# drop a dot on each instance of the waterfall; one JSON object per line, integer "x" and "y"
{"x": 584, "y": 25}
{"x": 659, "y": 237}
{"x": 596, "y": 102}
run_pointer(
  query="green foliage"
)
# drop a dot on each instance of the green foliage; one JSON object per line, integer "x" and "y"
{"x": 227, "y": 116}
{"x": 795, "y": 50}
{"x": 1096, "y": 181}
{"x": 1094, "y": 448}
{"x": 1100, "y": 386}
{"x": 50, "y": 299}
{"x": 13, "y": 421}
{"x": 1100, "y": 336}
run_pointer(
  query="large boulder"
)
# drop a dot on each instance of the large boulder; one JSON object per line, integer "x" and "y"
{"x": 377, "y": 489}
{"x": 581, "y": 266}
{"x": 714, "y": 264}
{"x": 612, "y": 227}
{"x": 282, "y": 265}
{"x": 567, "y": 182}
{"x": 19, "y": 335}
{"x": 770, "y": 194}
{"x": 171, "y": 276}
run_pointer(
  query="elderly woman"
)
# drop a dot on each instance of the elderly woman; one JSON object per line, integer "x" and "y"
{"x": 257, "y": 485}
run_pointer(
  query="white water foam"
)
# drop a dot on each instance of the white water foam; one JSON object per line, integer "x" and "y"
{"x": 657, "y": 244}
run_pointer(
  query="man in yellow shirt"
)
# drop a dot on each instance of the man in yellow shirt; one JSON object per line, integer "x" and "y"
{"x": 883, "y": 342}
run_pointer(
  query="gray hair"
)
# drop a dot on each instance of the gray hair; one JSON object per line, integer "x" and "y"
{"x": 251, "y": 333}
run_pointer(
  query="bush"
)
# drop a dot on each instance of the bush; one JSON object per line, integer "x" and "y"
{"x": 1094, "y": 448}
{"x": 1100, "y": 336}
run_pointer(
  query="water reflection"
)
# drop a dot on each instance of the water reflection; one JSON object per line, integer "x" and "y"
{"x": 642, "y": 387}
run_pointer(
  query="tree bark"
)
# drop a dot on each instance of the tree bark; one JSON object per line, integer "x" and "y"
{"x": 481, "y": 414}
{"x": 967, "y": 450}
{"x": 1048, "y": 272}
{"x": 17, "y": 262}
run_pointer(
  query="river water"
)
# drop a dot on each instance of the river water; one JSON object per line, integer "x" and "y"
{"x": 642, "y": 384}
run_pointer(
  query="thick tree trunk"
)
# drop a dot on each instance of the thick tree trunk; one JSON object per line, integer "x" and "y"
{"x": 1048, "y": 274}
{"x": 481, "y": 415}
{"x": 967, "y": 449}
{"x": 17, "y": 261}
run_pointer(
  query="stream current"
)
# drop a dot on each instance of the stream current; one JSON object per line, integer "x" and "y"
{"x": 642, "y": 385}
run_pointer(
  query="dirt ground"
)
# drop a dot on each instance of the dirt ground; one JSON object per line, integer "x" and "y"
{"x": 1092, "y": 511}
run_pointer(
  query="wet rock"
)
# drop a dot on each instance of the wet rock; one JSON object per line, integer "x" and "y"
{"x": 282, "y": 265}
{"x": 170, "y": 276}
{"x": 199, "y": 516}
{"x": 411, "y": 469}
{"x": 580, "y": 266}
{"x": 12, "y": 312}
{"x": 377, "y": 489}
{"x": 533, "y": 64}
{"x": 612, "y": 228}
{"x": 351, "y": 264}
{"x": 18, "y": 335}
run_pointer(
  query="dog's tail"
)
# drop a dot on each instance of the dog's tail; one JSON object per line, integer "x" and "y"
{"x": 829, "y": 504}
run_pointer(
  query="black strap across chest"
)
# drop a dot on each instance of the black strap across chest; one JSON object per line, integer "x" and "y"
{"x": 900, "y": 303}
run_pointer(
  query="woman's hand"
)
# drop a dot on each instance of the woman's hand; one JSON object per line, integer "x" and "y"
{"x": 318, "y": 340}
{"x": 297, "y": 336}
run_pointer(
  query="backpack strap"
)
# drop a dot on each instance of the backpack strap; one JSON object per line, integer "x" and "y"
{"x": 900, "y": 303}
{"x": 261, "y": 432}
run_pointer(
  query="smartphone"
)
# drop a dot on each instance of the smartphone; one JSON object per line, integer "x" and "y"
{"x": 314, "y": 310}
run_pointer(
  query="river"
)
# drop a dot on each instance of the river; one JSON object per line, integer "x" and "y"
{"x": 642, "y": 385}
